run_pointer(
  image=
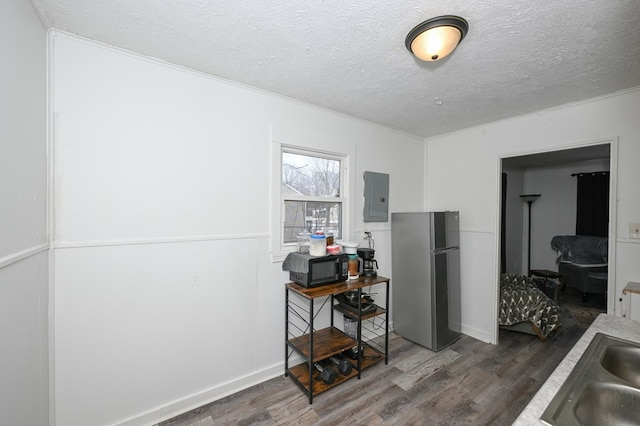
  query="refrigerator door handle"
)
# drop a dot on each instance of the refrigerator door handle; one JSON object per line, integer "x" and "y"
{"x": 444, "y": 250}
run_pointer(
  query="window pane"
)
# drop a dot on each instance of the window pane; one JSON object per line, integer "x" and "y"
{"x": 311, "y": 216}
{"x": 307, "y": 175}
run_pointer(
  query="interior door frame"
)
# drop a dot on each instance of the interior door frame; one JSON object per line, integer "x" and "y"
{"x": 614, "y": 306}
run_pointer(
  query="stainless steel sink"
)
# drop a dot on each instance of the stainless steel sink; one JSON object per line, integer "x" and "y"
{"x": 602, "y": 389}
{"x": 608, "y": 404}
{"x": 623, "y": 362}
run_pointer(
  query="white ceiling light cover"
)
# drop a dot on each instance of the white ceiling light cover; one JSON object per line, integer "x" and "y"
{"x": 436, "y": 43}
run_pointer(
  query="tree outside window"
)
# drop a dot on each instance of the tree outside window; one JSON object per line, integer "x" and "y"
{"x": 312, "y": 193}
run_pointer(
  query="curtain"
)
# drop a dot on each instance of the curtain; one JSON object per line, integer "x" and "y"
{"x": 592, "y": 212}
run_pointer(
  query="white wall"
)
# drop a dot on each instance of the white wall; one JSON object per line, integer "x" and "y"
{"x": 24, "y": 357}
{"x": 471, "y": 159}
{"x": 165, "y": 293}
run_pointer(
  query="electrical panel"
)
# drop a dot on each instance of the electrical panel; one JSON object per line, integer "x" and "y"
{"x": 376, "y": 197}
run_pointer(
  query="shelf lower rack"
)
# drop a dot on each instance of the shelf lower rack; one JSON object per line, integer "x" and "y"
{"x": 326, "y": 342}
{"x": 300, "y": 372}
{"x": 354, "y": 314}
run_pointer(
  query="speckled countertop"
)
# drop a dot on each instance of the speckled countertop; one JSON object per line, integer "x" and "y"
{"x": 607, "y": 324}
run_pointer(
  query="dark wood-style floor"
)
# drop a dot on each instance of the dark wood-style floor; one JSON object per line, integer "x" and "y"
{"x": 470, "y": 382}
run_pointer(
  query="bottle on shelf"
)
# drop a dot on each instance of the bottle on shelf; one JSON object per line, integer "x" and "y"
{"x": 318, "y": 245}
{"x": 303, "y": 242}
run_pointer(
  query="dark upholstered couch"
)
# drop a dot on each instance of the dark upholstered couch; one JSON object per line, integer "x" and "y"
{"x": 587, "y": 279}
{"x": 582, "y": 262}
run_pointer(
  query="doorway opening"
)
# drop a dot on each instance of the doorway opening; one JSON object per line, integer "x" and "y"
{"x": 529, "y": 224}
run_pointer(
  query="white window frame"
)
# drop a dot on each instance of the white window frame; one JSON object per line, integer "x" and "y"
{"x": 280, "y": 249}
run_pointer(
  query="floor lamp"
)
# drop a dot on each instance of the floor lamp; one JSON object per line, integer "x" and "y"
{"x": 529, "y": 199}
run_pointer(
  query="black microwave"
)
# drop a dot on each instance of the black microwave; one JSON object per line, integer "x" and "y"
{"x": 311, "y": 271}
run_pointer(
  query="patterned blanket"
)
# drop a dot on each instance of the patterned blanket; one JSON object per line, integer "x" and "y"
{"x": 521, "y": 300}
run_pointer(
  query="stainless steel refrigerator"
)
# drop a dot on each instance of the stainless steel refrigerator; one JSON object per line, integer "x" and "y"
{"x": 425, "y": 256}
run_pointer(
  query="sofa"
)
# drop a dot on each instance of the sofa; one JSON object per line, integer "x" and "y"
{"x": 582, "y": 261}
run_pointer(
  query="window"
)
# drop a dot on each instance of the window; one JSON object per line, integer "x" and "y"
{"x": 312, "y": 193}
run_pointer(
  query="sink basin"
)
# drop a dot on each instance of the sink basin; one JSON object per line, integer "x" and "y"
{"x": 608, "y": 404}
{"x": 623, "y": 362}
{"x": 602, "y": 389}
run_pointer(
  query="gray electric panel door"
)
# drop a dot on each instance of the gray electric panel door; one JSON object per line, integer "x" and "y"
{"x": 376, "y": 197}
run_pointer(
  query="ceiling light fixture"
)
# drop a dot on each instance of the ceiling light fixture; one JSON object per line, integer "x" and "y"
{"x": 435, "y": 38}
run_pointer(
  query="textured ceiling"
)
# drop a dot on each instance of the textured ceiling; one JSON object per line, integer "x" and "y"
{"x": 349, "y": 56}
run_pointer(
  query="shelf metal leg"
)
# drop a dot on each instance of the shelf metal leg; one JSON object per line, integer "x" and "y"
{"x": 286, "y": 332}
{"x": 386, "y": 328}
{"x": 331, "y": 307}
{"x": 359, "y": 332}
{"x": 311, "y": 333}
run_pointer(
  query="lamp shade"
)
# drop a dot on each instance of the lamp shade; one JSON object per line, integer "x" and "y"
{"x": 437, "y": 37}
{"x": 529, "y": 198}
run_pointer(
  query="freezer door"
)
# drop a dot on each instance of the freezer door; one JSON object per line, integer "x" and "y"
{"x": 445, "y": 230}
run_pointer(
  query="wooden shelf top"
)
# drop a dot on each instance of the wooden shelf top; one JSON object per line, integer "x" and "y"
{"x": 544, "y": 273}
{"x": 336, "y": 288}
{"x": 365, "y": 315}
{"x": 631, "y": 287}
{"x": 326, "y": 342}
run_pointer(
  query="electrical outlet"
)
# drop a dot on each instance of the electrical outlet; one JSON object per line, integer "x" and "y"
{"x": 634, "y": 230}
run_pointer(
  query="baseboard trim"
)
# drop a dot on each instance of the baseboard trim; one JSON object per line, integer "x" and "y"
{"x": 481, "y": 335}
{"x": 191, "y": 402}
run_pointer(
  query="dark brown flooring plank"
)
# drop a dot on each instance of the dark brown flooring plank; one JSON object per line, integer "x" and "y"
{"x": 470, "y": 382}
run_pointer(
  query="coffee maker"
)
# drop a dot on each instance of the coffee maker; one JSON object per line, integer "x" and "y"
{"x": 369, "y": 264}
